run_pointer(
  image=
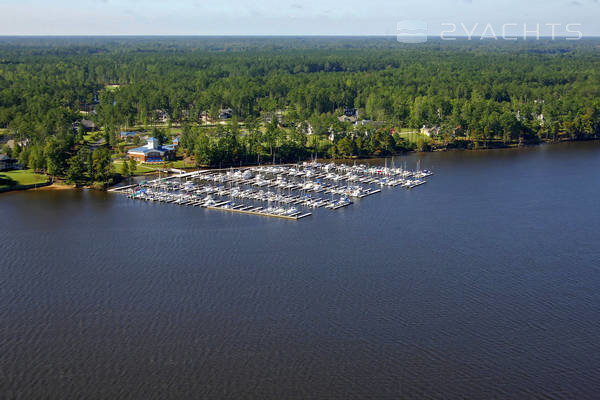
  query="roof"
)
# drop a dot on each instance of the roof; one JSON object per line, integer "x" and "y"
{"x": 4, "y": 157}
{"x": 87, "y": 123}
{"x": 225, "y": 113}
{"x": 128, "y": 133}
{"x": 145, "y": 150}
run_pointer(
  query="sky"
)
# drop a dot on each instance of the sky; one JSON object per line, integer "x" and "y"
{"x": 296, "y": 17}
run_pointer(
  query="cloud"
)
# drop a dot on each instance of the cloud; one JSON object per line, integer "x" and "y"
{"x": 272, "y": 17}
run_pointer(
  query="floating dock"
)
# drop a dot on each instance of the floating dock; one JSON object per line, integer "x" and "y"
{"x": 282, "y": 187}
{"x": 260, "y": 213}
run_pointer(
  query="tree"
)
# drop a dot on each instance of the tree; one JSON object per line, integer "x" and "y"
{"x": 37, "y": 162}
{"x": 125, "y": 169}
{"x": 132, "y": 166}
{"x": 102, "y": 168}
{"x": 160, "y": 135}
{"x": 346, "y": 147}
{"x": 80, "y": 133}
{"x": 55, "y": 153}
{"x": 76, "y": 170}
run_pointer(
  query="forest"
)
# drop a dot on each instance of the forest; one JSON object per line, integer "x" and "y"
{"x": 287, "y": 97}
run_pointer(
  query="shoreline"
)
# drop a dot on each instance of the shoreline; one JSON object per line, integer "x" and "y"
{"x": 54, "y": 186}
{"x": 48, "y": 186}
{"x": 58, "y": 186}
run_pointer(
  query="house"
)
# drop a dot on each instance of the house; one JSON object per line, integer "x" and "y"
{"x": 225, "y": 113}
{"x": 349, "y": 115}
{"x": 541, "y": 119}
{"x": 152, "y": 152}
{"x": 205, "y": 117}
{"x": 278, "y": 114}
{"x": 176, "y": 141}
{"x": 363, "y": 122}
{"x": 7, "y": 163}
{"x": 88, "y": 126}
{"x": 345, "y": 118}
{"x": 306, "y": 128}
{"x": 12, "y": 143}
{"x": 161, "y": 116}
{"x": 433, "y": 131}
{"x": 128, "y": 134}
{"x": 350, "y": 112}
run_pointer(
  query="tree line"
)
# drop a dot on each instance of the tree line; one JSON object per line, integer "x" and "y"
{"x": 482, "y": 92}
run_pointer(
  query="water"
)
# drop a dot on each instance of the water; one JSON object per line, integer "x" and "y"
{"x": 481, "y": 284}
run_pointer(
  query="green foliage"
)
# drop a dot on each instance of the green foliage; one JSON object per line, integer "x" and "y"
{"x": 102, "y": 167}
{"x": 125, "y": 169}
{"x": 55, "y": 152}
{"x": 76, "y": 173}
{"x": 132, "y": 166}
{"x": 20, "y": 178}
{"x": 160, "y": 135}
{"x": 477, "y": 93}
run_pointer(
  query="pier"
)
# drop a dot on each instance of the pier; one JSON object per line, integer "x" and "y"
{"x": 287, "y": 191}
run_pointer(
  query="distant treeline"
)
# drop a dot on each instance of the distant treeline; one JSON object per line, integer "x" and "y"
{"x": 482, "y": 91}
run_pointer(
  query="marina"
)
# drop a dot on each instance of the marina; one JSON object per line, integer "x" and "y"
{"x": 280, "y": 191}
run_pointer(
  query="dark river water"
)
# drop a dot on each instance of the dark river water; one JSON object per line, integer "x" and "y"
{"x": 482, "y": 284}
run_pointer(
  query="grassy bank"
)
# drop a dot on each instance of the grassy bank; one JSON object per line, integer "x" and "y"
{"x": 21, "y": 179}
{"x": 146, "y": 168}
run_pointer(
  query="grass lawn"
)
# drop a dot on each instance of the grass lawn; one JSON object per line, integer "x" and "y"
{"x": 144, "y": 168}
{"x": 22, "y": 178}
{"x": 407, "y": 130}
{"x": 92, "y": 137}
{"x": 140, "y": 168}
{"x": 183, "y": 164}
{"x": 413, "y": 136}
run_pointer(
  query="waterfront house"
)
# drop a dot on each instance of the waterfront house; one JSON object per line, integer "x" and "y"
{"x": 152, "y": 152}
{"x": 430, "y": 131}
{"x": 541, "y": 119}
{"x": 12, "y": 143}
{"x": 7, "y": 163}
{"x": 306, "y": 128}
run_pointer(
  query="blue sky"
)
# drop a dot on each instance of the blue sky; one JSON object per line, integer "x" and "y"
{"x": 290, "y": 17}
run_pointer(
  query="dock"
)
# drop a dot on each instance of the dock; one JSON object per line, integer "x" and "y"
{"x": 287, "y": 191}
{"x": 259, "y": 213}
